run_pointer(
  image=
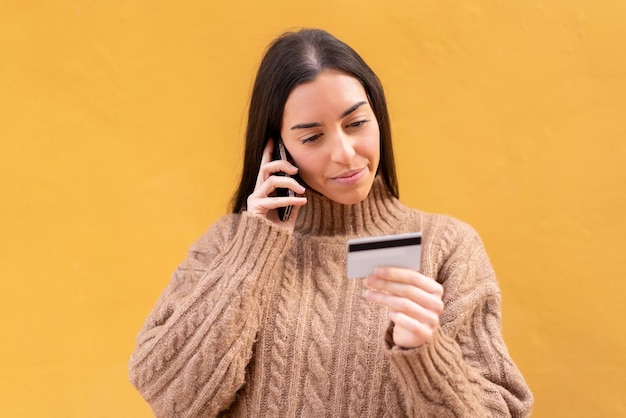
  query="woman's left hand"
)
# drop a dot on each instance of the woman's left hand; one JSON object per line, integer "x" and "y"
{"x": 414, "y": 302}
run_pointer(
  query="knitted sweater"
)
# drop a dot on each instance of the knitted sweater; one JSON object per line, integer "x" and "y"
{"x": 260, "y": 322}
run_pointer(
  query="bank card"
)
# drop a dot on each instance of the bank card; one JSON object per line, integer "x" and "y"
{"x": 400, "y": 250}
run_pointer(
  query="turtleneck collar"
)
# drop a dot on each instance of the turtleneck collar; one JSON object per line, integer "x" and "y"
{"x": 378, "y": 214}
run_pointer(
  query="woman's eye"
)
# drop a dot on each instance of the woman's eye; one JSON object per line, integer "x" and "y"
{"x": 311, "y": 138}
{"x": 358, "y": 123}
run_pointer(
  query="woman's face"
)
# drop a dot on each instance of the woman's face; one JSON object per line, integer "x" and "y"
{"x": 332, "y": 134}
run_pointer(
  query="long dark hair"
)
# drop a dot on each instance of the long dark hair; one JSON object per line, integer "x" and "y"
{"x": 292, "y": 59}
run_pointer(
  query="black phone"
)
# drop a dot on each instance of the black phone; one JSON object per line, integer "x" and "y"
{"x": 280, "y": 153}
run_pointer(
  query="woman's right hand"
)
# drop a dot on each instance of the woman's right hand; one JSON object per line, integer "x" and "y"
{"x": 263, "y": 200}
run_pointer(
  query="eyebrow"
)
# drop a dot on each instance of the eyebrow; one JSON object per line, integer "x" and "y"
{"x": 343, "y": 115}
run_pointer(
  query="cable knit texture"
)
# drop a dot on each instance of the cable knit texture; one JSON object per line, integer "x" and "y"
{"x": 258, "y": 322}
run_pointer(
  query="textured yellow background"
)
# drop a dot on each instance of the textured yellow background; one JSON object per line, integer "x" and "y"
{"x": 121, "y": 127}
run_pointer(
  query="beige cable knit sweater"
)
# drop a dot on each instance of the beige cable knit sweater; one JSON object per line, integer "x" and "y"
{"x": 258, "y": 322}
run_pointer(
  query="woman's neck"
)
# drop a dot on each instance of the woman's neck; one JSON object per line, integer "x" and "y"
{"x": 377, "y": 214}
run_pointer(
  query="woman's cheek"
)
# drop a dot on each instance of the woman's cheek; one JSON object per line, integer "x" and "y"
{"x": 304, "y": 168}
{"x": 305, "y": 173}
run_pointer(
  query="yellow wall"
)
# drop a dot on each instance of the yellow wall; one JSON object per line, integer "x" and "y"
{"x": 120, "y": 138}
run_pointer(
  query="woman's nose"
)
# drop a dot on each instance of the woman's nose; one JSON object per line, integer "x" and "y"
{"x": 343, "y": 149}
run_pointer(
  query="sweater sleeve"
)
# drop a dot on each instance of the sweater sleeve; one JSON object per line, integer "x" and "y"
{"x": 466, "y": 369}
{"x": 193, "y": 350}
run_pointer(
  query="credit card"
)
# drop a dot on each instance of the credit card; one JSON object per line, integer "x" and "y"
{"x": 400, "y": 250}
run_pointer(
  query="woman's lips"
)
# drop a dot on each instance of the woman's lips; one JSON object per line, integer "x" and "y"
{"x": 350, "y": 177}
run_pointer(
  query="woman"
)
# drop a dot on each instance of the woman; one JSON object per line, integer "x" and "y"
{"x": 260, "y": 320}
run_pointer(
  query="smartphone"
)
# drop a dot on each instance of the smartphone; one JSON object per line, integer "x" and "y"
{"x": 401, "y": 250}
{"x": 280, "y": 153}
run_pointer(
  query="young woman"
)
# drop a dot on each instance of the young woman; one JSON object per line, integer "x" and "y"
{"x": 260, "y": 319}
